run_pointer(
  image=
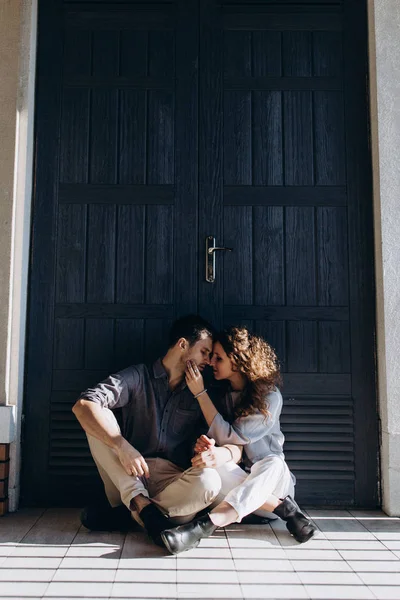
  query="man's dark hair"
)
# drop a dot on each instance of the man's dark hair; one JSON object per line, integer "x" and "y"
{"x": 191, "y": 327}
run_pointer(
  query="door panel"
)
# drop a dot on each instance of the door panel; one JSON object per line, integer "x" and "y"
{"x": 281, "y": 190}
{"x": 161, "y": 124}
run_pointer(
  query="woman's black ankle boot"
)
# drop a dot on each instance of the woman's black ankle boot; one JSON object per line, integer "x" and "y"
{"x": 297, "y": 524}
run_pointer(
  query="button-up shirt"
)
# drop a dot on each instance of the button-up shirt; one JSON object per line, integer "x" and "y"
{"x": 158, "y": 422}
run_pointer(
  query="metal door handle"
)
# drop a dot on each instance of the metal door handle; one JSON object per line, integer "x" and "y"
{"x": 211, "y": 248}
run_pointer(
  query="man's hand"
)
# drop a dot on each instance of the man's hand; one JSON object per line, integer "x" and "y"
{"x": 132, "y": 461}
{"x": 194, "y": 378}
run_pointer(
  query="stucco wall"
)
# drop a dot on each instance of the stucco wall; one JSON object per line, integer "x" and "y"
{"x": 10, "y": 33}
{"x": 384, "y": 28}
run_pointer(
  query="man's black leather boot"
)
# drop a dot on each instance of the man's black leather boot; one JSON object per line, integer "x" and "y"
{"x": 297, "y": 524}
{"x": 185, "y": 537}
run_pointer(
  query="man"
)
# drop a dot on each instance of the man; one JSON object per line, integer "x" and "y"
{"x": 147, "y": 465}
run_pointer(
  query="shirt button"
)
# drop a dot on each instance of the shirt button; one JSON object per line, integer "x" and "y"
{"x": 162, "y": 430}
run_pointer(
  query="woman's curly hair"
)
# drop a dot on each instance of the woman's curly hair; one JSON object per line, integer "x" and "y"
{"x": 254, "y": 357}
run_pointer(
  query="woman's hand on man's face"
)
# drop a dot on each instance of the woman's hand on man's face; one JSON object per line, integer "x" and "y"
{"x": 194, "y": 378}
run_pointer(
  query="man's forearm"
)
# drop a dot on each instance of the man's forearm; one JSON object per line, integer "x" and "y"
{"x": 95, "y": 422}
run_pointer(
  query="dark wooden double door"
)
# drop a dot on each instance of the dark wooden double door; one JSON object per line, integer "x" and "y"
{"x": 159, "y": 125}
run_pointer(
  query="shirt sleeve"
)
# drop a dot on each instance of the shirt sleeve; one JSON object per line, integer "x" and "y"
{"x": 249, "y": 429}
{"x": 116, "y": 391}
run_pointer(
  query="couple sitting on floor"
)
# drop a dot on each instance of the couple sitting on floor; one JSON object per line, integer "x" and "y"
{"x": 177, "y": 451}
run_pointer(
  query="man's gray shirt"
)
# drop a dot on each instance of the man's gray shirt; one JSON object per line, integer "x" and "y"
{"x": 158, "y": 422}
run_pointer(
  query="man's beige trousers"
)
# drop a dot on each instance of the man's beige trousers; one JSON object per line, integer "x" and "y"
{"x": 179, "y": 494}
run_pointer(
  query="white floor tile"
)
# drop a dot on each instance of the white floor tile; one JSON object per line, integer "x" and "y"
{"x": 361, "y": 566}
{"x": 358, "y": 545}
{"x": 31, "y": 562}
{"x": 329, "y": 578}
{"x": 37, "y": 550}
{"x": 339, "y": 592}
{"x": 367, "y": 554}
{"x": 26, "y": 575}
{"x": 185, "y": 576}
{"x": 380, "y": 578}
{"x": 350, "y": 535}
{"x": 339, "y": 566}
{"x": 89, "y": 563}
{"x": 274, "y": 591}
{"x": 205, "y": 590}
{"x": 265, "y": 553}
{"x": 386, "y": 592}
{"x": 283, "y": 577}
{"x": 89, "y": 575}
{"x": 23, "y": 589}
{"x": 274, "y": 565}
{"x": 144, "y": 590}
{"x": 78, "y": 589}
{"x": 304, "y": 554}
{"x": 146, "y": 575}
{"x": 163, "y": 562}
{"x": 204, "y": 564}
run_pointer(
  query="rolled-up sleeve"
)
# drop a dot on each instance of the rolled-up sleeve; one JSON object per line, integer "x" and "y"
{"x": 249, "y": 429}
{"x": 116, "y": 391}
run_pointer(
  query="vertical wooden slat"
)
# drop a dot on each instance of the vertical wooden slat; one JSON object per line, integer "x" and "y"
{"x": 74, "y": 136}
{"x": 237, "y": 53}
{"x": 267, "y": 53}
{"x": 130, "y": 254}
{"x": 327, "y": 54}
{"x": 237, "y": 266}
{"x": 210, "y": 152}
{"x": 161, "y": 54}
{"x": 300, "y": 256}
{"x": 267, "y": 138}
{"x": 186, "y": 249}
{"x": 71, "y": 253}
{"x": 133, "y": 53}
{"x": 68, "y": 344}
{"x": 132, "y": 137}
{"x": 105, "y": 53}
{"x": 156, "y": 338}
{"x": 269, "y": 266}
{"x": 99, "y": 343}
{"x": 159, "y": 261}
{"x": 332, "y": 256}
{"x": 101, "y": 254}
{"x": 103, "y": 136}
{"x": 160, "y": 168}
{"x": 296, "y": 54}
{"x": 302, "y": 346}
{"x": 128, "y": 343}
{"x": 329, "y": 138}
{"x": 237, "y": 138}
{"x": 334, "y": 347}
{"x": 298, "y": 141}
{"x": 77, "y": 59}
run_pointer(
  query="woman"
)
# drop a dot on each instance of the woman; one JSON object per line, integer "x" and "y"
{"x": 252, "y": 406}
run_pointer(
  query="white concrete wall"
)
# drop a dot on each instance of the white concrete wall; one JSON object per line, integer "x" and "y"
{"x": 17, "y": 74}
{"x": 384, "y": 30}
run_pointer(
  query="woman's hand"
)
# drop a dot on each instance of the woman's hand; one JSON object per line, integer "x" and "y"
{"x": 211, "y": 458}
{"x": 203, "y": 443}
{"x": 194, "y": 378}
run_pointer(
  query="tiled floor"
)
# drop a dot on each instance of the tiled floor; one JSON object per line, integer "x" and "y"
{"x": 47, "y": 554}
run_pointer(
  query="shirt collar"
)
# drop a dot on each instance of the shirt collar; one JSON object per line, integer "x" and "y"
{"x": 159, "y": 371}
